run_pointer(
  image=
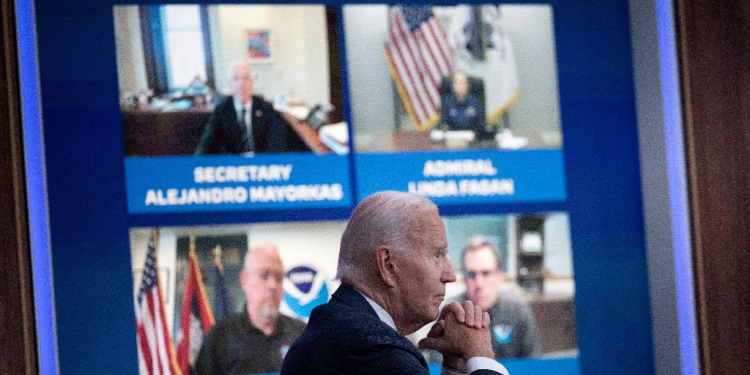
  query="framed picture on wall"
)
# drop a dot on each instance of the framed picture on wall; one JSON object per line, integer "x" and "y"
{"x": 259, "y": 46}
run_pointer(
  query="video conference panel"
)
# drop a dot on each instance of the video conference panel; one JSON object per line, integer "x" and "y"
{"x": 232, "y": 127}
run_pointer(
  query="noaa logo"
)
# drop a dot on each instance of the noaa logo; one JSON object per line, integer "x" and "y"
{"x": 503, "y": 333}
{"x": 304, "y": 288}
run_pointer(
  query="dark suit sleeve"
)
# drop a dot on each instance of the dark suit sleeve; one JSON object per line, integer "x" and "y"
{"x": 277, "y": 133}
{"x": 389, "y": 361}
{"x": 269, "y": 129}
{"x": 211, "y": 141}
{"x": 207, "y": 138}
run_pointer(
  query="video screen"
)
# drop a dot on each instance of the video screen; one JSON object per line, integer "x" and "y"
{"x": 229, "y": 80}
{"x": 230, "y": 127}
{"x": 452, "y": 77}
{"x": 232, "y": 107}
{"x": 214, "y": 305}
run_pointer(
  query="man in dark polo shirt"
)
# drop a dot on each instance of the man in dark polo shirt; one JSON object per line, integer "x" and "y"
{"x": 256, "y": 340}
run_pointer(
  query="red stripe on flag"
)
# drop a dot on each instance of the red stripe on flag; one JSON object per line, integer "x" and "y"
{"x": 430, "y": 77}
{"x": 411, "y": 61}
{"x": 418, "y": 60}
{"x": 415, "y": 57}
{"x": 194, "y": 292}
{"x": 405, "y": 78}
{"x": 154, "y": 342}
{"x": 144, "y": 347}
{"x": 444, "y": 51}
{"x": 409, "y": 85}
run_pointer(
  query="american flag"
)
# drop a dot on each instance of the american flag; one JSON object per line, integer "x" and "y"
{"x": 154, "y": 342}
{"x": 196, "y": 319}
{"x": 419, "y": 56}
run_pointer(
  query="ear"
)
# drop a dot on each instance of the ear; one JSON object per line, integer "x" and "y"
{"x": 386, "y": 267}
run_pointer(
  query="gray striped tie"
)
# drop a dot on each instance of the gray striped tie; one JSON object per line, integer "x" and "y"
{"x": 247, "y": 140}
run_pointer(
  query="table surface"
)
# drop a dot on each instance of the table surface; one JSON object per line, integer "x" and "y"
{"x": 414, "y": 140}
{"x": 145, "y": 130}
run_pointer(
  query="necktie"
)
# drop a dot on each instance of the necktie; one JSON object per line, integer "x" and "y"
{"x": 247, "y": 134}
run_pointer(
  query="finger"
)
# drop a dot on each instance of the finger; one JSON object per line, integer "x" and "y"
{"x": 433, "y": 343}
{"x": 469, "y": 307}
{"x": 477, "y": 317}
{"x": 456, "y": 309}
{"x": 485, "y": 319}
{"x": 437, "y": 329}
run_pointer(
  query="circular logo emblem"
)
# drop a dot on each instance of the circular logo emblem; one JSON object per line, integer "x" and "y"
{"x": 503, "y": 333}
{"x": 305, "y": 288}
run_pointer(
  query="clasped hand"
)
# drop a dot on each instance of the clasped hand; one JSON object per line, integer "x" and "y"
{"x": 461, "y": 332}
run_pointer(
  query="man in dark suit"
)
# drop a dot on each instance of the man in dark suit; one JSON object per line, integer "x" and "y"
{"x": 393, "y": 267}
{"x": 245, "y": 123}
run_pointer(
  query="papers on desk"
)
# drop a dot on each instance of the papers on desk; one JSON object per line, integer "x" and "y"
{"x": 178, "y": 105}
{"x": 506, "y": 140}
{"x": 461, "y": 138}
{"x": 451, "y": 135}
{"x": 336, "y": 137}
{"x": 298, "y": 111}
{"x": 453, "y": 139}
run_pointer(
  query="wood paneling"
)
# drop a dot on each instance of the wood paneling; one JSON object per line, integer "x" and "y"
{"x": 714, "y": 38}
{"x": 17, "y": 334}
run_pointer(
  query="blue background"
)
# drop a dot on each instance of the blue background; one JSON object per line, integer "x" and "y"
{"x": 537, "y": 174}
{"x": 88, "y": 207}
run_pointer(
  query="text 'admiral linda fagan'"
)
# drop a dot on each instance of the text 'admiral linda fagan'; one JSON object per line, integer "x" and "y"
{"x": 461, "y": 187}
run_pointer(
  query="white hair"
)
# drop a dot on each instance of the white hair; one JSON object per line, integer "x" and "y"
{"x": 234, "y": 64}
{"x": 383, "y": 218}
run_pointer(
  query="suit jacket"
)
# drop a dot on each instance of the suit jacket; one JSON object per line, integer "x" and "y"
{"x": 223, "y": 132}
{"x": 345, "y": 336}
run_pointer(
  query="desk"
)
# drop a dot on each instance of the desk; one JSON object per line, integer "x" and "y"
{"x": 153, "y": 132}
{"x": 149, "y": 132}
{"x": 413, "y": 140}
{"x": 309, "y": 135}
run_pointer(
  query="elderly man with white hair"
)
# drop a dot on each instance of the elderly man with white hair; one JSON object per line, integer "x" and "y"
{"x": 393, "y": 267}
{"x": 244, "y": 123}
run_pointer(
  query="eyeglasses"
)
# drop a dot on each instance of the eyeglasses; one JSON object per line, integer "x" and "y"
{"x": 471, "y": 275}
{"x": 266, "y": 275}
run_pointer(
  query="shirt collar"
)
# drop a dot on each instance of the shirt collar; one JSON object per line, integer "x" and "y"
{"x": 238, "y": 106}
{"x": 382, "y": 314}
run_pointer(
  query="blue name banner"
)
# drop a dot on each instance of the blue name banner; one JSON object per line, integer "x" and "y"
{"x": 218, "y": 183}
{"x": 466, "y": 176}
{"x": 536, "y": 366}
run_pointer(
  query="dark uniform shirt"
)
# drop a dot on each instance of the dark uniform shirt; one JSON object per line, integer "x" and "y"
{"x": 234, "y": 346}
{"x": 466, "y": 115}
